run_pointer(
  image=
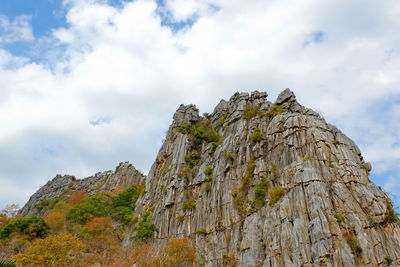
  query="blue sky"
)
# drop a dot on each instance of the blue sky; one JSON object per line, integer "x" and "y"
{"x": 86, "y": 84}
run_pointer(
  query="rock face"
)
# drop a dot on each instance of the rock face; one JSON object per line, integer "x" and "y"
{"x": 61, "y": 187}
{"x": 257, "y": 183}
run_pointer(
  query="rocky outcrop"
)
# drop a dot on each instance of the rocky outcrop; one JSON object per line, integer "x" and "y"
{"x": 62, "y": 186}
{"x": 257, "y": 183}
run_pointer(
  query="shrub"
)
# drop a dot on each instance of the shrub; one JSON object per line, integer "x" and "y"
{"x": 220, "y": 123}
{"x": 388, "y": 259}
{"x": 391, "y": 215}
{"x": 189, "y": 204}
{"x": 229, "y": 156}
{"x": 33, "y": 226}
{"x": 55, "y": 220}
{"x": 93, "y": 206}
{"x": 353, "y": 242}
{"x": 145, "y": 228}
{"x": 54, "y": 250}
{"x": 339, "y": 218}
{"x": 179, "y": 252}
{"x": 201, "y": 231}
{"x": 256, "y": 135}
{"x": 250, "y": 113}
{"x": 306, "y": 158}
{"x": 261, "y": 190}
{"x": 199, "y": 133}
{"x": 239, "y": 193}
{"x": 208, "y": 170}
{"x": 274, "y": 169}
{"x": 207, "y": 186}
{"x": 275, "y": 194}
{"x": 274, "y": 110}
{"x": 76, "y": 197}
{"x": 192, "y": 159}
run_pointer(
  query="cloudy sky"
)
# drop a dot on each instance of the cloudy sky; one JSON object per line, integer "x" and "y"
{"x": 86, "y": 84}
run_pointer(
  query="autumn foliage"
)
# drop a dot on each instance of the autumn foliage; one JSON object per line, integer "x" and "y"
{"x": 55, "y": 250}
{"x": 179, "y": 252}
{"x": 55, "y": 220}
{"x": 76, "y": 197}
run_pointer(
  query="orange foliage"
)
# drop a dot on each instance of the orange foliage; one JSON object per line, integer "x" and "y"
{"x": 99, "y": 225}
{"x": 179, "y": 252}
{"x": 76, "y": 197}
{"x": 55, "y": 220}
{"x": 145, "y": 255}
{"x": 118, "y": 190}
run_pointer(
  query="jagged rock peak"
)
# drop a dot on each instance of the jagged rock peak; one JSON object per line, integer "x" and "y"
{"x": 268, "y": 184}
{"x": 62, "y": 186}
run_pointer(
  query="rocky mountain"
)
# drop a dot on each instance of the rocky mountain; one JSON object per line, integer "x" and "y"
{"x": 61, "y": 187}
{"x": 257, "y": 183}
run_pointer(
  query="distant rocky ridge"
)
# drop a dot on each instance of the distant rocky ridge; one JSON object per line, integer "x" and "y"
{"x": 257, "y": 183}
{"x": 61, "y": 187}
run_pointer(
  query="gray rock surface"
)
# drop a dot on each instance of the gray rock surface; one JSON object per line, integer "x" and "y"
{"x": 331, "y": 214}
{"x": 62, "y": 186}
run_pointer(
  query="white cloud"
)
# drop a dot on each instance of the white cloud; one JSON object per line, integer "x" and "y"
{"x": 118, "y": 75}
{"x": 17, "y": 29}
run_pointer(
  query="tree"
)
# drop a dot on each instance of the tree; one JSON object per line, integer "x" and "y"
{"x": 55, "y": 220}
{"x": 33, "y": 226}
{"x": 55, "y": 250}
{"x": 179, "y": 252}
{"x": 76, "y": 197}
{"x": 145, "y": 255}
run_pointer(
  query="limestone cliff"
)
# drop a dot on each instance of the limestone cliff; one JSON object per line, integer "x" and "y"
{"x": 257, "y": 183}
{"x": 61, "y": 187}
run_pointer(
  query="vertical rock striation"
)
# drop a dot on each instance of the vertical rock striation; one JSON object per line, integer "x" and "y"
{"x": 257, "y": 183}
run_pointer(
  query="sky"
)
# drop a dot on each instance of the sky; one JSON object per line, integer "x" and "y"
{"x": 86, "y": 84}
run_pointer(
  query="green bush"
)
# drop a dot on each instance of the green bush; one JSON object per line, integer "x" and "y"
{"x": 199, "y": 133}
{"x": 391, "y": 215}
{"x": 239, "y": 193}
{"x": 92, "y": 206}
{"x": 274, "y": 169}
{"x": 260, "y": 192}
{"x": 192, "y": 159}
{"x": 274, "y": 109}
{"x": 256, "y": 135}
{"x": 34, "y": 226}
{"x": 388, "y": 259}
{"x": 208, "y": 170}
{"x": 145, "y": 228}
{"x": 229, "y": 156}
{"x": 339, "y": 218}
{"x": 207, "y": 186}
{"x": 250, "y": 113}
{"x": 275, "y": 194}
{"x": 201, "y": 231}
{"x": 189, "y": 204}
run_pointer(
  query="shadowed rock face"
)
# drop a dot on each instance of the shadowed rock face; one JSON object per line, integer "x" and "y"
{"x": 62, "y": 186}
{"x": 280, "y": 187}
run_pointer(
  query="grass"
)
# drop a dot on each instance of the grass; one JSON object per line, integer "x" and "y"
{"x": 207, "y": 186}
{"x": 391, "y": 216}
{"x": 250, "y": 112}
{"x": 192, "y": 159}
{"x": 352, "y": 240}
{"x": 256, "y": 136}
{"x": 239, "y": 193}
{"x": 229, "y": 156}
{"x": 388, "y": 259}
{"x": 189, "y": 204}
{"x": 208, "y": 170}
{"x": 275, "y": 172}
{"x": 260, "y": 191}
{"x": 275, "y": 194}
{"x": 201, "y": 231}
{"x": 306, "y": 158}
{"x": 274, "y": 110}
{"x": 339, "y": 218}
